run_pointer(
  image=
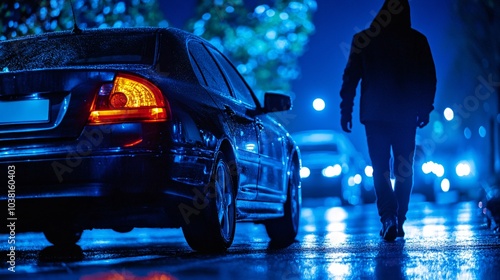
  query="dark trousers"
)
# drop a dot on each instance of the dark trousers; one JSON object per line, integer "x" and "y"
{"x": 399, "y": 139}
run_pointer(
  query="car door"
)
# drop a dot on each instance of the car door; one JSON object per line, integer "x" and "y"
{"x": 272, "y": 160}
{"x": 270, "y": 147}
{"x": 242, "y": 127}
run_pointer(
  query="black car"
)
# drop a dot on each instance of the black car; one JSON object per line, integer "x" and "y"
{"x": 146, "y": 127}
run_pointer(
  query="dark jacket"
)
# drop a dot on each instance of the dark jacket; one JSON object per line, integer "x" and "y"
{"x": 395, "y": 66}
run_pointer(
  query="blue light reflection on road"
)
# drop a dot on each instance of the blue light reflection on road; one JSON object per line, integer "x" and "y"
{"x": 435, "y": 242}
{"x": 442, "y": 242}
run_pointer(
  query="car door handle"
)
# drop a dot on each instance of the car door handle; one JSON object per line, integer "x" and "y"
{"x": 230, "y": 112}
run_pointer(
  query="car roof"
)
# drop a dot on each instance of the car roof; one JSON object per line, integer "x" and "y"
{"x": 317, "y": 136}
{"x": 181, "y": 34}
{"x": 323, "y": 137}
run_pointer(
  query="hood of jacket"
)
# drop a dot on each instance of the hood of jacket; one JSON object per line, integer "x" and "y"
{"x": 393, "y": 16}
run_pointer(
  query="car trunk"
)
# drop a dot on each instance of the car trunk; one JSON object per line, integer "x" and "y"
{"x": 48, "y": 82}
{"x": 47, "y": 104}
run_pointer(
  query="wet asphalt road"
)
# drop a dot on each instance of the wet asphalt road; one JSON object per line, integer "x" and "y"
{"x": 442, "y": 242}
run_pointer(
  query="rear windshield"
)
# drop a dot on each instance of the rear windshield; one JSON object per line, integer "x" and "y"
{"x": 325, "y": 147}
{"x": 77, "y": 50}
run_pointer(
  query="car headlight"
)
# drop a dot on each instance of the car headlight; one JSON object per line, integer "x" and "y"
{"x": 354, "y": 180}
{"x": 358, "y": 179}
{"x": 305, "y": 172}
{"x": 332, "y": 171}
{"x": 432, "y": 167}
{"x": 463, "y": 169}
{"x": 427, "y": 167}
{"x": 438, "y": 170}
{"x": 369, "y": 171}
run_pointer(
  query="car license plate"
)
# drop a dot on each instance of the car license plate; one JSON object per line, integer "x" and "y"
{"x": 24, "y": 112}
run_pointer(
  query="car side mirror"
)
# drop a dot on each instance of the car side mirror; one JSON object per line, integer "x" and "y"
{"x": 276, "y": 102}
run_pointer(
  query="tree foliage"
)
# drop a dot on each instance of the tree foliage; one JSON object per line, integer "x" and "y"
{"x": 19, "y": 18}
{"x": 481, "y": 31}
{"x": 265, "y": 43}
{"x": 480, "y": 21}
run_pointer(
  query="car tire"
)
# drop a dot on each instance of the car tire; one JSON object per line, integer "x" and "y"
{"x": 282, "y": 231}
{"x": 212, "y": 229}
{"x": 64, "y": 236}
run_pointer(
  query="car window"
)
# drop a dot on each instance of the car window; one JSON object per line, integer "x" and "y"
{"x": 77, "y": 50}
{"x": 241, "y": 90}
{"x": 205, "y": 67}
{"x": 197, "y": 70}
{"x": 319, "y": 147}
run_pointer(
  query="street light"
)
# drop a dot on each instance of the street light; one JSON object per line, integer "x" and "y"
{"x": 319, "y": 104}
{"x": 449, "y": 114}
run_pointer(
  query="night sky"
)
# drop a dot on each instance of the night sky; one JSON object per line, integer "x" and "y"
{"x": 323, "y": 63}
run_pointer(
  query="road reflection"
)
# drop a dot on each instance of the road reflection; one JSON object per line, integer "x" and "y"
{"x": 114, "y": 275}
{"x": 441, "y": 242}
{"x": 343, "y": 243}
{"x": 391, "y": 260}
{"x": 65, "y": 254}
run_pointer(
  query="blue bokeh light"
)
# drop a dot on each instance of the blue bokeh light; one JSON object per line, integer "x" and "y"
{"x": 319, "y": 104}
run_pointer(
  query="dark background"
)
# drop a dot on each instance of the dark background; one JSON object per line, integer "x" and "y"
{"x": 323, "y": 63}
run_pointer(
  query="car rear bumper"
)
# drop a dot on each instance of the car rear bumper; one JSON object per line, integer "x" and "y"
{"x": 146, "y": 189}
{"x": 321, "y": 187}
{"x": 107, "y": 212}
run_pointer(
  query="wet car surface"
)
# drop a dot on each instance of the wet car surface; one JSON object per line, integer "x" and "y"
{"x": 146, "y": 127}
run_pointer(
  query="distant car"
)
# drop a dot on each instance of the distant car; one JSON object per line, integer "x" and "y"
{"x": 445, "y": 176}
{"x": 424, "y": 183}
{"x": 147, "y": 127}
{"x": 332, "y": 167}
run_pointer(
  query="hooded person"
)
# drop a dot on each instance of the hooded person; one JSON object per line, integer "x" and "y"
{"x": 394, "y": 63}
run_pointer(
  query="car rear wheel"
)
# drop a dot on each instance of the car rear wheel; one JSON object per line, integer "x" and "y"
{"x": 282, "y": 231}
{"x": 212, "y": 230}
{"x": 64, "y": 236}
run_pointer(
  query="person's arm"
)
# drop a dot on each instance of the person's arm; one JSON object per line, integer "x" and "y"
{"x": 427, "y": 79}
{"x": 351, "y": 77}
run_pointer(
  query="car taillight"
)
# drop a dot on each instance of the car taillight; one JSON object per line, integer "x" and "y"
{"x": 129, "y": 98}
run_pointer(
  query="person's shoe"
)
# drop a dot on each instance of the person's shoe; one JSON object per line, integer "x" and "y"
{"x": 401, "y": 232}
{"x": 389, "y": 229}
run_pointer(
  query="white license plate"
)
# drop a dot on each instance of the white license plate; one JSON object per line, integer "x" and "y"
{"x": 24, "y": 112}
